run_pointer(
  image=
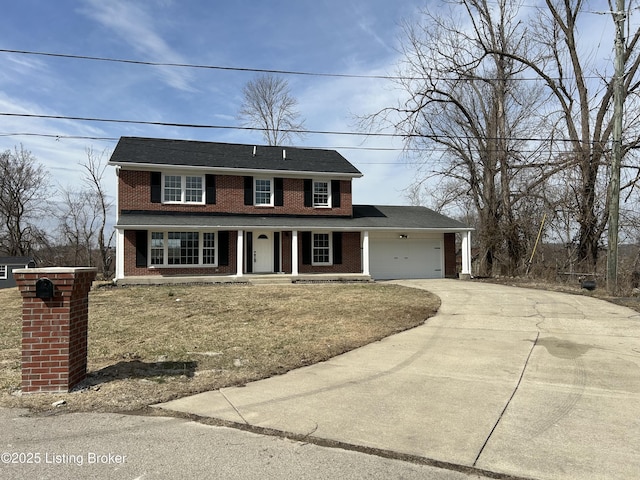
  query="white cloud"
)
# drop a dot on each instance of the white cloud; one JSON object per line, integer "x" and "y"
{"x": 137, "y": 27}
{"x": 59, "y": 155}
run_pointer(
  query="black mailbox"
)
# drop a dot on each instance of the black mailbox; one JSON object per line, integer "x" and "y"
{"x": 44, "y": 289}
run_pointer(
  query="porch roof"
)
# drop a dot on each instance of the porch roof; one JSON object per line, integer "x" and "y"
{"x": 15, "y": 260}
{"x": 365, "y": 217}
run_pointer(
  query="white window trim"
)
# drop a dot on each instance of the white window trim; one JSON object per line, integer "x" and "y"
{"x": 4, "y": 272}
{"x": 271, "y": 192}
{"x": 313, "y": 190}
{"x": 330, "y": 236}
{"x": 165, "y": 254}
{"x": 183, "y": 189}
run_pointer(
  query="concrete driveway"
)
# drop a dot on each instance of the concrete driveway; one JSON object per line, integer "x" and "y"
{"x": 521, "y": 382}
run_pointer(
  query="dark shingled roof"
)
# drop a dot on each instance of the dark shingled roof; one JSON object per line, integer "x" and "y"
{"x": 15, "y": 260}
{"x": 365, "y": 217}
{"x": 189, "y": 153}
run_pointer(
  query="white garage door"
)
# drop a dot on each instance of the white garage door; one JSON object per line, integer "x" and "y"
{"x": 392, "y": 258}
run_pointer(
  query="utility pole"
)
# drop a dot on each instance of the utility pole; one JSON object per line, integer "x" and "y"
{"x": 614, "y": 183}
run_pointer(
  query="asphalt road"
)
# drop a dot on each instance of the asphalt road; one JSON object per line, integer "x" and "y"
{"x": 108, "y": 446}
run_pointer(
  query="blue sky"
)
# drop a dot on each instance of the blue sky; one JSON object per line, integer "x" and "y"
{"x": 330, "y": 36}
{"x": 334, "y": 36}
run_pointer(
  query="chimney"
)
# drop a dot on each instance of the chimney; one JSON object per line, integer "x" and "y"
{"x": 254, "y": 150}
{"x": 284, "y": 154}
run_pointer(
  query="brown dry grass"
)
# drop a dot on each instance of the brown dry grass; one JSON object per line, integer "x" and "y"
{"x": 153, "y": 344}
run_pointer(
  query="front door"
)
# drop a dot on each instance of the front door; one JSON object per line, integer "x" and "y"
{"x": 262, "y": 252}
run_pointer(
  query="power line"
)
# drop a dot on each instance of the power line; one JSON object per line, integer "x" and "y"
{"x": 115, "y": 139}
{"x": 284, "y": 130}
{"x": 57, "y": 136}
{"x": 190, "y": 125}
{"x": 207, "y": 67}
{"x": 298, "y": 131}
{"x": 245, "y": 69}
{"x": 442, "y": 149}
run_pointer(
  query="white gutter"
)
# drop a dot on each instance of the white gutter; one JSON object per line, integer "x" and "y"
{"x": 291, "y": 227}
{"x": 230, "y": 170}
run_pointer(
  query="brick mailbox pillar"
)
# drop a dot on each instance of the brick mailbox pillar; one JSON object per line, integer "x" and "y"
{"x": 55, "y": 312}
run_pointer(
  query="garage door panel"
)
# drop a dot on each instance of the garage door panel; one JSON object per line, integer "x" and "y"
{"x": 406, "y": 258}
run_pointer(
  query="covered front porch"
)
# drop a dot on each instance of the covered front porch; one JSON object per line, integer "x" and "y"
{"x": 168, "y": 252}
{"x": 378, "y": 242}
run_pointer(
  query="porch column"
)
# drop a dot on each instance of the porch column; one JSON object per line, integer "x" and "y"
{"x": 466, "y": 255}
{"x": 365, "y": 252}
{"x": 239, "y": 253}
{"x": 119, "y": 273}
{"x": 294, "y": 253}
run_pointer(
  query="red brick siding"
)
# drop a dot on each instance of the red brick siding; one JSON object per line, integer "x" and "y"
{"x": 134, "y": 193}
{"x": 285, "y": 242}
{"x": 450, "y": 265}
{"x": 54, "y": 331}
{"x": 351, "y": 257}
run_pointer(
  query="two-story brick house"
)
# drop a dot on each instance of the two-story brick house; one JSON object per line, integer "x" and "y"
{"x": 190, "y": 208}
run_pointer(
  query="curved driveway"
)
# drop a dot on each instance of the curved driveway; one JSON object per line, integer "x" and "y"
{"x": 523, "y": 382}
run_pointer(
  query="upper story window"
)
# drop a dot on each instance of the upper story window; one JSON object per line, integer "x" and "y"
{"x": 321, "y": 193}
{"x": 263, "y": 192}
{"x": 172, "y": 188}
{"x": 183, "y": 189}
{"x": 193, "y": 189}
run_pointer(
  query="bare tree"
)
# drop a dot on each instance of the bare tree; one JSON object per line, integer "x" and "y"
{"x": 77, "y": 226}
{"x": 468, "y": 109}
{"x": 583, "y": 109}
{"x": 84, "y": 214}
{"x": 269, "y": 106}
{"x": 24, "y": 199}
{"x": 469, "y": 112}
{"x": 94, "y": 173}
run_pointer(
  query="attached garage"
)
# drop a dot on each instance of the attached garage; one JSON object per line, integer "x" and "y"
{"x": 395, "y": 255}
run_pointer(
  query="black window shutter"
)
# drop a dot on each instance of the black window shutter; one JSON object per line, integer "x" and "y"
{"x": 306, "y": 248}
{"x": 248, "y": 239}
{"x": 335, "y": 193}
{"x": 223, "y": 248}
{"x": 210, "y": 192}
{"x": 141, "y": 248}
{"x": 248, "y": 190}
{"x": 276, "y": 251}
{"x": 156, "y": 187}
{"x": 279, "y": 192}
{"x": 337, "y": 248}
{"x": 308, "y": 193}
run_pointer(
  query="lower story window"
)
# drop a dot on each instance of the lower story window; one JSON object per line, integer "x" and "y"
{"x": 209, "y": 248}
{"x": 183, "y": 248}
{"x": 321, "y": 249}
{"x": 157, "y": 248}
{"x": 3, "y": 272}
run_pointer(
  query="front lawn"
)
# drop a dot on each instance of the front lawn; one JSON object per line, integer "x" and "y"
{"x": 153, "y": 344}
